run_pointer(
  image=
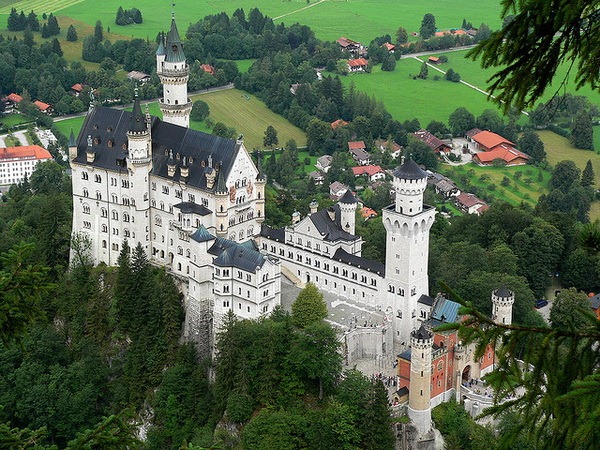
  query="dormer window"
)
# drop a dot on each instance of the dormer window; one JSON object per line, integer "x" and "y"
{"x": 174, "y": 48}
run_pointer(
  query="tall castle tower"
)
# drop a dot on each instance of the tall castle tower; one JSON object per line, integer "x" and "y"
{"x": 407, "y": 225}
{"x": 348, "y": 205}
{"x": 502, "y": 301}
{"x": 173, "y": 72}
{"x": 419, "y": 408}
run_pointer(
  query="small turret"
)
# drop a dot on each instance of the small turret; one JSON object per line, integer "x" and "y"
{"x": 138, "y": 134}
{"x": 419, "y": 407}
{"x": 410, "y": 183}
{"x": 221, "y": 204}
{"x": 348, "y": 205}
{"x": 160, "y": 53}
{"x": 313, "y": 207}
{"x": 90, "y": 153}
{"x": 502, "y": 301}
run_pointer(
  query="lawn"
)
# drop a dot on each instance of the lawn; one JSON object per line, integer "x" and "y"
{"x": 357, "y": 19}
{"x": 406, "y": 98}
{"x": 526, "y": 187}
{"x": 559, "y": 149}
{"x": 12, "y": 120}
{"x": 249, "y": 116}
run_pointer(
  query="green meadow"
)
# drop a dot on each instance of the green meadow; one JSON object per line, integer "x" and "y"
{"x": 248, "y": 115}
{"x": 357, "y": 19}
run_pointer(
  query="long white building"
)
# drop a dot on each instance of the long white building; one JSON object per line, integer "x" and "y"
{"x": 16, "y": 163}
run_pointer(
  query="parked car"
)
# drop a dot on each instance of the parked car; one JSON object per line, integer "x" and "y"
{"x": 541, "y": 303}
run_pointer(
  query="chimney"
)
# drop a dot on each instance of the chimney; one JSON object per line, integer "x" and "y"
{"x": 295, "y": 218}
{"x": 313, "y": 206}
{"x": 331, "y": 212}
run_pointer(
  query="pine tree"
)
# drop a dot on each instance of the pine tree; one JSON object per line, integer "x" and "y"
{"x": 28, "y": 38}
{"x": 13, "y": 20}
{"x": 56, "y": 48}
{"x": 588, "y": 176}
{"x": 45, "y": 31}
{"x": 424, "y": 71}
{"x": 32, "y": 21}
{"x": 98, "y": 31}
{"x": 427, "y": 26}
{"x": 71, "y": 34}
{"x": 120, "y": 19}
{"x": 53, "y": 28}
{"x": 582, "y": 133}
{"x": 22, "y": 21}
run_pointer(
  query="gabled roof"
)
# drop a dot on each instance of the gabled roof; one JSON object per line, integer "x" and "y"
{"x": 331, "y": 229}
{"x": 15, "y": 98}
{"x": 369, "y": 170}
{"x": 337, "y": 186}
{"x": 359, "y": 262}
{"x": 325, "y": 160}
{"x": 468, "y": 200}
{"x": 41, "y": 105}
{"x": 201, "y": 235}
{"x": 27, "y": 151}
{"x": 490, "y": 140}
{"x": 432, "y": 141}
{"x": 382, "y": 144}
{"x": 472, "y": 132}
{"x": 77, "y": 87}
{"x": 426, "y": 300}
{"x": 275, "y": 234}
{"x": 359, "y": 154}
{"x": 358, "y": 62}
{"x": 107, "y": 124}
{"x": 389, "y": 47}
{"x": 338, "y": 123}
{"x": 503, "y": 152}
{"x": 345, "y": 42}
{"x": 138, "y": 76}
{"x": 208, "y": 68}
{"x": 356, "y": 145}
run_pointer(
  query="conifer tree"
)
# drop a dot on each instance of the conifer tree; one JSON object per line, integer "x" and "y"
{"x": 53, "y": 28}
{"x": 582, "y": 133}
{"x": 32, "y": 21}
{"x": 56, "y": 48}
{"x": 71, "y": 34}
{"x": 588, "y": 176}
{"x": 98, "y": 31}
{"x": 13, "y": 20}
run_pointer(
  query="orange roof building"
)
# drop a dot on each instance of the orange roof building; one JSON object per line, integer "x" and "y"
{"x": 208, "y": 69}
{"x": 389, "y": 47}
{"x": 44, "y": 107}
{"x": 18, "y": 162}
{"x": 15, "y": 98}
{"x": 486, "y": 140}
{"x": 511, "y": 156}
{"x": 338, "y": 123}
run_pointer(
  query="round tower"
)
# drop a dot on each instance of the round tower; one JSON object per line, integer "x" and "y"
{"x": 160, "y": 53}
{"x": 410, "y": 183}
{"x": 348, "y": 205}
{"x": 419, "y": 408}
{"x": 138, "y": 135}
{"x": 174, "y": 74}
{"x": 261, "y": 181}
{"x": 502, "y": 301}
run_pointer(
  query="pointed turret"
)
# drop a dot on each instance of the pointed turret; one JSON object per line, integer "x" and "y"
{"x": 348, "y": 205}
{"x": 174, "y": 46}
{"x": 161, "y": 45}
{"x": 137, "y": 122}
{"x": 221, "y": 203}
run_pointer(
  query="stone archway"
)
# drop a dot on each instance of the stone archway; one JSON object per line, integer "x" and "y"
{"x": 466, "y": 373}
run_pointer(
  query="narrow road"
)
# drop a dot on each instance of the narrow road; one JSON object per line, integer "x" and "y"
{"x": 298, "y": 10}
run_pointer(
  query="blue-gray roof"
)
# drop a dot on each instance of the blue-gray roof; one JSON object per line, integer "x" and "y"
{"x": 191, "y": 207}
{"x": 276, "y": 234}
{"x": 243, "y": 256}
{"x": 201, "y": 235}
{"x": 174, "y": 46}
{"x": 358, "y": 261}
{"x": 108, "y": 127}
{"x": 503, "y": 292}
{"x": 348, "y": 198}
{"x": 426, "y": 300}
{"x": 331, "y": 229}
{"x": 445, "y": 310}
{"x": 405, "y": 355}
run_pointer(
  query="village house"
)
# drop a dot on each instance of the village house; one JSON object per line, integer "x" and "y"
{"x": 43, "y": 107}
{"x": 12, "y": 103}
{"x": 433, "y": 142}
{"x": 358, "y": 65}
{"x": 317, "y": 176}
{"x": 394, "y": 148}
{"x": 434, "y": 60}
{"x": 373, "y": 173}
{"x": 337, "y": 190}
{"x": 338, "y": 123}
{"x": 324, "y": 163}
{"x": 495, "y": 147}
{"x": 208, "y": 69}
{"x": 367, "y": 213}
{"x": 389, "y": 47}
{"x": 76, "y": 89}
{"x": 442, "y": 185}
{"x": 470, "y": 203}
{"x": 354, "y": 47}
{"x": 359, "y": 153}
{"x": 140, "y": 77}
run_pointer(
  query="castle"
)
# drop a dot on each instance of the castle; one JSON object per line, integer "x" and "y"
{"x": 195, "y": 202}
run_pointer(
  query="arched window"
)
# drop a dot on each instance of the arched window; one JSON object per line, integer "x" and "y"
{"x": 86, "y": 208}
{"x": 85, "y": 192}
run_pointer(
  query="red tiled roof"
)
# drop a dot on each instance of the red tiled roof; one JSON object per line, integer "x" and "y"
{"x": 472, "y": 132}
{"x": 503, "y": 152}
{"x": 358, "y": 62}
{"x": 468, "y": 200}
{"x": 367, "y": 213}
{"x": 355, "y": 145}
{"x": 208, "y": 68}
{"x": 490, "y": 140}
{"x": 433, "y": 59}
{"x": 369, "y": 170}
{"x": 41, "y": 105}
{"x": 338, "y": 123}
{"x": 345, "y": 42}
{"x": 433, "y": 142}
{"x": 26, "y": 151}
{"x": 77, "y": 87}
{"x": 389, "y": 47}
{"x": 15, "y": 98}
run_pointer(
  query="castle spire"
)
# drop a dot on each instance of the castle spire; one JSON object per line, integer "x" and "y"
{"x": 137, "y": 123}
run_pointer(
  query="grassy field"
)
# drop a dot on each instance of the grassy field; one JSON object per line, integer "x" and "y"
{"x": 559, "y": 149}
{"x": 249, "y": 117}
{"x": 330, "y": 19}
{"x": 12, "y": 120}
{"x": 427, "y": 100}
{"x": 526, "y": 187}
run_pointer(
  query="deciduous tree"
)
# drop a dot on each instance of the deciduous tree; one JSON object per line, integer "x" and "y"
{"x": 309, "y": 307}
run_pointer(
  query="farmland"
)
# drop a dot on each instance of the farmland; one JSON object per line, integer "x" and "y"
{"x": 330, "y": 19}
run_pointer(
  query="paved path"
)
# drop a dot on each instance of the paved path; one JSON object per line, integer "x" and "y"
{"x": 298, "y": 10}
